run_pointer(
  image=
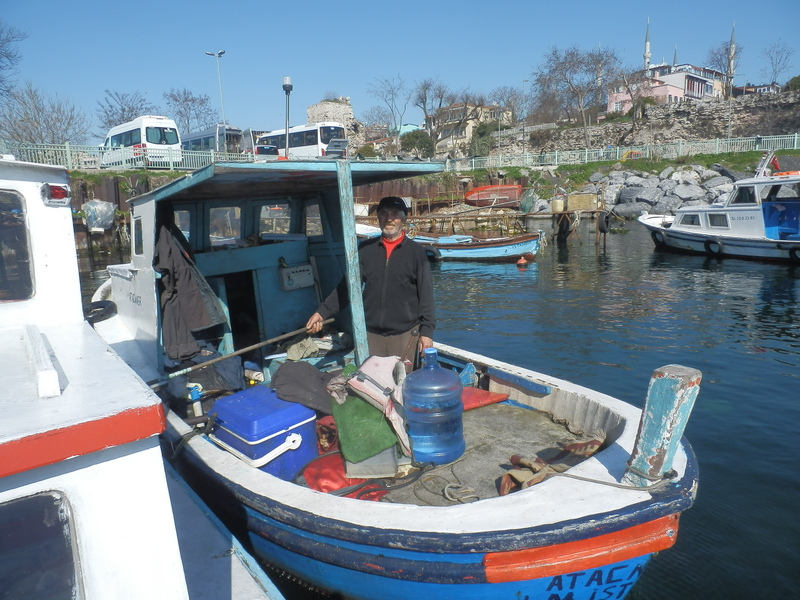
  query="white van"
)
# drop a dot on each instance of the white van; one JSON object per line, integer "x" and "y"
{"x": 147, "y": 141}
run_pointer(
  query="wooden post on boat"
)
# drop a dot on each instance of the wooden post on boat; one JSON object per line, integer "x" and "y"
{"x": 346, "y": 200}
{"x": 670, "y": 398}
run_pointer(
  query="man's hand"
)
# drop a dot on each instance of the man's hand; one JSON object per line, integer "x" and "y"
{"x": 424, "y": 342}
{"x": 314, "y": 324}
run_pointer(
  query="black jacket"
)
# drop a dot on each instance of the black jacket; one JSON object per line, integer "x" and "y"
{"x": 398, "y": 293}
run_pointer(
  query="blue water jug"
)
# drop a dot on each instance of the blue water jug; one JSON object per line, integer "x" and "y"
{"x": 433, "y": 409}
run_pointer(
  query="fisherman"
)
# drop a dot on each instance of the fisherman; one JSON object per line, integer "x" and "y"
{"x": 397, "y": 290}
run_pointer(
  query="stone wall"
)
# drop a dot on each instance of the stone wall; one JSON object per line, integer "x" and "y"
{"x": 756, "y": 114}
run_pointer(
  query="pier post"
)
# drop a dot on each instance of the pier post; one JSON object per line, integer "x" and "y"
{"x": 670, "y": 399}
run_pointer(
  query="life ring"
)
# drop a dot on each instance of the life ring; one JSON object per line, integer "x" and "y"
{"x": 100, "y": 310}
{"x": 709, "y": 246}
{"x": 658, "y": 238}
{"x": 433, "y": 253}
{"x": 794, "y": 254}
{"x": 604, "y": 221}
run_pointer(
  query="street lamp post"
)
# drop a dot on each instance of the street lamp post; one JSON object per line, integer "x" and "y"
{"x": 219, "y": 79}
{"x": 287, "y": 87}
{"x": 522, "y": 109}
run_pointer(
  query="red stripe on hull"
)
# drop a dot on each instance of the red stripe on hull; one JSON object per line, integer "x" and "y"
{"x": 57, "y": 445}
{"x": 533, "y": 563}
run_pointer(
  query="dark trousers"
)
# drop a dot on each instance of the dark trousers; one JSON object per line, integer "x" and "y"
{"x": 405, "y": 345}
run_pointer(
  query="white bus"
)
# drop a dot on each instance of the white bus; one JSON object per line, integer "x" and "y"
{"x": 147, "y": 141}
{"x": 219, "y": 138}
{"x": 309, "y": 140}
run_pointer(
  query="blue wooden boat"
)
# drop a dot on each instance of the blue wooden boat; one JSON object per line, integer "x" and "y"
{"x": 470, "y": 248}
{"x": 583, "y": 534}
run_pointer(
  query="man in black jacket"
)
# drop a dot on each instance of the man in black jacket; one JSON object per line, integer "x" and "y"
{"x": 398, "y": 292}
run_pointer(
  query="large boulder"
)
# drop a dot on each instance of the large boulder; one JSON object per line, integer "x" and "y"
{"x": 686, "y": 176}
{"x": 688, "y": 192}
{"x": 717, "y": 181}
{"x": 667, "y": 205}
{"x": 668, "y": 185}
{"x": 611, "y": 192}
{"x": 628, "y": 195}
{"x": 649, "y": 195}
{"x": 666, "y": 173}
{"x": 631, "y": 210}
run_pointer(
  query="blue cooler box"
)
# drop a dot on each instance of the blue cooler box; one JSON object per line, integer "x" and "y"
{"x": 255, "y": 421}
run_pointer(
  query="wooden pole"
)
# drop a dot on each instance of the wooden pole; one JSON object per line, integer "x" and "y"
{"x": 670, "y": 398}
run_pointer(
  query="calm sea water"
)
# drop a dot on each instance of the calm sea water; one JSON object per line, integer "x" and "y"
{"x": 605, "y": 316}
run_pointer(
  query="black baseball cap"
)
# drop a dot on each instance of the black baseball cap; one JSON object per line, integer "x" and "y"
{"x": 393, "y": 202}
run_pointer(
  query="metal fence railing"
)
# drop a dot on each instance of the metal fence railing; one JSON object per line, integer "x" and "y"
{"x": 77, "y": 157}
{"x": 656, "y": 151}
{"x": 80, "y": 157}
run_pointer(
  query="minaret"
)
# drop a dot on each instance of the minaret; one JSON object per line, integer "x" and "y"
{"x": 731, "y": 59}
{"x": 647, "y": 46}
{"x": 675, "y": 57}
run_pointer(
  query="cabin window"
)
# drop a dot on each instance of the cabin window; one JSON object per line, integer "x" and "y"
{"x": 225, "y": 225}
{"x": 37, "y": 558}
{"x": 691, "y": 219}
{"x": 718, "y": 220}
{"x": 16, "y": 275}
{"x": 183, "y": 221}
{"x": 138, "y": 240}
{"x": 744, "y": 195}
{"x": 313, "y": 220}
{"x": 274, "y": 218}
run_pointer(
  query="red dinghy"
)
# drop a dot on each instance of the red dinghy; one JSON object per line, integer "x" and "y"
{"x": 494, "y": 195}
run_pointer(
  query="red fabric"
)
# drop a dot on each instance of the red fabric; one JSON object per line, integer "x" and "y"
{"x": 774, "y": 163}
{"x": 473, "y": 397}
{"x": 393, "y": 244}
{"x": 327, "y": 474}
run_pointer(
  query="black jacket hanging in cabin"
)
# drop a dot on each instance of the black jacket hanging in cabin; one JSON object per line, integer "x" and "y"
{"x": 187, "y": 302}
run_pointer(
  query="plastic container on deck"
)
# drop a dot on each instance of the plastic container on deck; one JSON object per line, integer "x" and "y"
{"x": 433, "y": 409}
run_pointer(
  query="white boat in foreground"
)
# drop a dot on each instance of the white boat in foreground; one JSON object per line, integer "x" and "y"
{"x": 86, "y": 509}
{"x": 759, "y": 219}
{"x": 446, "y": 533}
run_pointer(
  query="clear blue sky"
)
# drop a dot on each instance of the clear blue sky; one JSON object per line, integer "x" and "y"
{"x": 80, "y": 49}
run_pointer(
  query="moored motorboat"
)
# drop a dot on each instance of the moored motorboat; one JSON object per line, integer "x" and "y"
{"x": 759, "y": 219}
{"x": 86, "y": 508}
{"x": 584, "y": 530}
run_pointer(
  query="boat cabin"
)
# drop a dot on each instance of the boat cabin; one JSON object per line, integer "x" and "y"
{"x": 759, "y": 207}
{"x": 270, "y": 244}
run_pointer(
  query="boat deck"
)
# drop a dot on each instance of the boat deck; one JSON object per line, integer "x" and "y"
{"x": 493, "y": 434}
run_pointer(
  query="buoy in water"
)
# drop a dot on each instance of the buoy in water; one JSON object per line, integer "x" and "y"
{"x": 522, "y": 263}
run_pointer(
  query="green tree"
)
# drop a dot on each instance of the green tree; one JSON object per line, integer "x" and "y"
{"x": 793, "y": 84}
{"x": 481, "y": 142}
{"x": 418, "y": 142}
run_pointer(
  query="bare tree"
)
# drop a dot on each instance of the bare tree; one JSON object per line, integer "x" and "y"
{"x": 29, "y": 116}
{"x": 459, "y": 108}
{"x": 726, "y": 60}
{"x": 429, "y": 96}
{"x": 509, "y": 98}
{"x": 9, "y": 56}
{"x": 394, "y": 94}
{"x": 190, "y": 113}
{"x": 577, "y": 77}
{"x": 120, "y": 107}
{"x": 778, "y": 56}
{"x": 638, "y": 86}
